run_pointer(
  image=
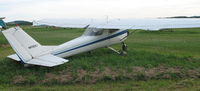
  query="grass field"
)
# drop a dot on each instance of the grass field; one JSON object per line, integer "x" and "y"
{"x": 152, "y": 85}
{"x": 162, "y": 58}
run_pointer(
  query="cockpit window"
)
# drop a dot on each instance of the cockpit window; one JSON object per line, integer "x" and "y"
{"x": 98, "y": 33}
{"x": 113, "y": 30}
{"x": 93, "y": 32}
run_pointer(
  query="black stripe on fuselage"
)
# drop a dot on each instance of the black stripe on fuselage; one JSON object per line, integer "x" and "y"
{"x": 106, "y": 38}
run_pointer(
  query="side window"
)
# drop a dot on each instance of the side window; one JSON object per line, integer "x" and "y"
{"x": 113, "y": 30}
{"x": 99, "y": 33}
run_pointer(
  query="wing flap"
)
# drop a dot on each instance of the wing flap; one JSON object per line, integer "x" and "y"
{"x": 47, "y": 60}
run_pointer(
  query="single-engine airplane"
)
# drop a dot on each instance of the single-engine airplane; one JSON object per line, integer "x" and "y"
{"x": 30, "y": 52}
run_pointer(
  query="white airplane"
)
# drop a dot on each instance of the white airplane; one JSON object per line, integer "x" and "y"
{"x": 30, "y": 52}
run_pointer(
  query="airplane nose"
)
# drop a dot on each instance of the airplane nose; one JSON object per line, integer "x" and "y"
{"x": 128, "y": 33}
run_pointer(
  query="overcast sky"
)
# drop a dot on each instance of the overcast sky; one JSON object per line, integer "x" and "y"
{"x": 41, "y": 9}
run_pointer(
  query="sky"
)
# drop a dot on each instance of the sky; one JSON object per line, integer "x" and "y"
{"x": 124, "y": 9}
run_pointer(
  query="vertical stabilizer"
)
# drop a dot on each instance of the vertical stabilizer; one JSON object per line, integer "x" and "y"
{"x": 24, "y": 45}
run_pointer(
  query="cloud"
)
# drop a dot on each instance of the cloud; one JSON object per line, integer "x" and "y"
{"x": 39, "y": 9}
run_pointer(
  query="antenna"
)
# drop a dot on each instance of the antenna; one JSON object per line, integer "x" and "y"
{"x": 92, "y": 20}
{"x": 107, "y": 19}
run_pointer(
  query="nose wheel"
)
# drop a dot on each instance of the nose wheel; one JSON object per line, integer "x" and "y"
{"x": 124, "y": 49}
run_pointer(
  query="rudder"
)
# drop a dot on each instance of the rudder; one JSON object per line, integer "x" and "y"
{"x": 24, "y": 45}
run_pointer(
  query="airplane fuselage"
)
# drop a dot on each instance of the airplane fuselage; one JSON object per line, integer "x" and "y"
{"x": 30, "y": 52}
{"x": 88, "y": 43}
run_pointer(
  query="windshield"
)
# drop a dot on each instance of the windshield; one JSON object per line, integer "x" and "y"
{"x": 93, "y": 32}
{"x": 113, "y": 30}
{"x": 98, "y": 32}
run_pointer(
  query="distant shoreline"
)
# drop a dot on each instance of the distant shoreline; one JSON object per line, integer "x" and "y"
{"x": 182, "y": 17}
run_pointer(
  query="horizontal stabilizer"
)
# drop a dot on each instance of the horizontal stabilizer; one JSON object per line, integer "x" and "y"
{"x": 47, "y": 60}
{"x": 14, "y": 57}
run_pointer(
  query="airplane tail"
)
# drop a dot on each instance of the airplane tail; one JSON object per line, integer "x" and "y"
{"x": 28, "y": 50}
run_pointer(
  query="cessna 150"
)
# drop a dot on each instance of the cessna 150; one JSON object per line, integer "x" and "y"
{"x": 30, "y": 52}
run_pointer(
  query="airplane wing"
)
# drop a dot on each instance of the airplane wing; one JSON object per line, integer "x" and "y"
{"x": 29, "y": 51}
{"x": 146, "y": 24}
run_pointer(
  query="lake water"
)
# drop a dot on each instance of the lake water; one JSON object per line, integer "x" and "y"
{"x": 147, "y": 24}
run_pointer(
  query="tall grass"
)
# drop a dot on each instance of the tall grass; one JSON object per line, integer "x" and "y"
{"x": 177, "y": 48}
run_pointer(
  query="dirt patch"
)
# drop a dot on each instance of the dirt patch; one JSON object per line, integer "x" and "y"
{"x": 163, "y": 72}
{"x": 110, "y": 73}
{"x": 95, "y": 76}
{"x": 19, "y": 80}
{"x": 174, "y": 70}
{"x": 49, "y": 77}
{"x": 107, "y": 73}
{"x": 137, "y": 73}
{"x": 193, "y": 74}
{"x": 166, "y": 76}
{"x": 4, "y": 45}
{"x": 138, "y": 69}
{"x": 60, "y": 78}
{"x": 65, "y": 78}
{"x": 151, "y": 72}
{"x": 81, "y": 74}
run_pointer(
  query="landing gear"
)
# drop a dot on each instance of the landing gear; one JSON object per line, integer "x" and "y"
{"x": 123, "y": 51}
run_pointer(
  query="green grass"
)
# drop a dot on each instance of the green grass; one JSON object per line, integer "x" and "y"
{"x": 152, "y": 55}
{"x": 152, "y": 85}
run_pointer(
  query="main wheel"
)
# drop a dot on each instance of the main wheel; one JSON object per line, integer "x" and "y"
{"x": 124, "y": 47}
{"x": 123, "y": 53}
